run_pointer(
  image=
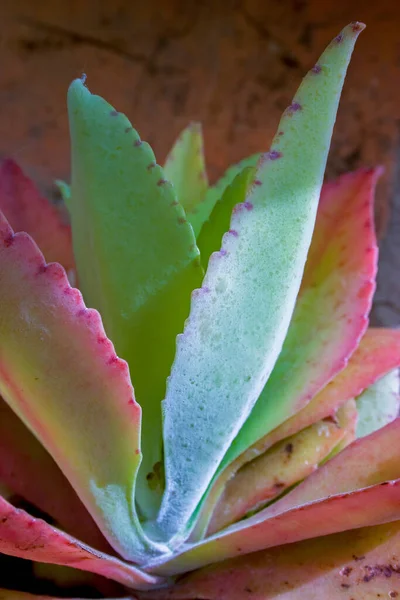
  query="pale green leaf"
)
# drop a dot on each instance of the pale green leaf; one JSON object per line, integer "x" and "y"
{"x": 379, "y": 404}
{"x": 136, "y": 258}
{"x": 185, "y": 168}
{"x": 240, "y": 316}
{"x": 215, "y": 192}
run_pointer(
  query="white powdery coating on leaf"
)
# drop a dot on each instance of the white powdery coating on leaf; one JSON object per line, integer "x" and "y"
{"x": 240, "y": 316}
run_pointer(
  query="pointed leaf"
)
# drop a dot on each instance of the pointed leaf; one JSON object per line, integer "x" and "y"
{"x": 185, "y": 168}
{"x": 31, "y": 473}
{"x": 361, "y": 564}
{"x": 136, "y": 257}
{"x": 215, "y": 193}
{"x": 379, "y": 404}
{"x": 33, "y": 539}
{"x": 60, "y": 374}
{"x": 239, "y": 318}
{"x": 210, "y": 238}
{"x": 268, "y": 476}
{"x": 27, "y": 210}
{"x": 339, "y": 281}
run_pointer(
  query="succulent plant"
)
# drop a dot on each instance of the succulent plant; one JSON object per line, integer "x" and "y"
{"x": 259, "y": 454}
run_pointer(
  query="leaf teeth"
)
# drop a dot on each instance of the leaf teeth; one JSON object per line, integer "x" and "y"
{"x": 224, "y": 357}
{"x": 316, "y": 349}
{"x": 40, "y": 306}
{"x": 121, "y": 198}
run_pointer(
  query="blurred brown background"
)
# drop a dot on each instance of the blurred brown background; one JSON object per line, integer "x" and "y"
{"x": 234, "y": 65}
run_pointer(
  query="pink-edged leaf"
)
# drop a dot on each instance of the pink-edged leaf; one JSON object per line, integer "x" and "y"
{"x": 380, "y": 504}
{"x": 365, "y": 474}
{"x": 240, "y": 317}
{"x": 361, "y": 564}
{"x": 26, "y": 210}
{"x": 332, "y": 308}
{"x": 285, "y": 464}
{"x": 60, "y": 374}
{"x": 29, "y": 471}
{"x": 33, "y": 539}
{"x": 368, "y": 461}
{"x": 377, "y": 354}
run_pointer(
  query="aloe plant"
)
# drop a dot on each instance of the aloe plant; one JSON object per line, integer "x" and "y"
{"x": 258, "y": 455}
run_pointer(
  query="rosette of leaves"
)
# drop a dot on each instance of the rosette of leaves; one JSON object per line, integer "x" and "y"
{"x": 192, "y": 394}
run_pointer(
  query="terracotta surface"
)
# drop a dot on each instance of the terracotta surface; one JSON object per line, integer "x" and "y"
{"x": 234, "y": 65}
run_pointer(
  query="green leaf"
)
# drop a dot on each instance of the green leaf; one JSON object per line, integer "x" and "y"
{"x": 185, "y": 168}
{"x": 215, "y": 192}
{"x": 240, "y": 316}
{"x": 379, "y": 404}
{"x": 136, "y": 257}
{"x": 332, "y": 307}
{"x": 210, "y": 238}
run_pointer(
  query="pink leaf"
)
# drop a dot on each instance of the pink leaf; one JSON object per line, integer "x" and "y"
{"x": 60, "y": 374}
{"x": 33, "y": 539}
{"x": 28, "y": 211}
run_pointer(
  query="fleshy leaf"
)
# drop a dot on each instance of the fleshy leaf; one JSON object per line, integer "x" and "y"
{"x": 379, "y": 404}
{"x": 33, "y": 539}
{"x": 381, "y": 504}
{"x": 368, "y": 461}
{"x": 136, "y": 258}
{"x": 28, "y": 211}
{"x": 29, "y": 471}
{"x": 339, "y": 281}
{"x": 268, "y": 476}
{"x": 366, "y": 474}
{"x": 377, "y": 353}
{"x": 60, "y": 374}
{"x": 361, "y": 564}
{"x": 185, "y": 168}
{"x": 239, "y": 318}
{"x": 215, "y": 193}
{"x": 210, "y": 238}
